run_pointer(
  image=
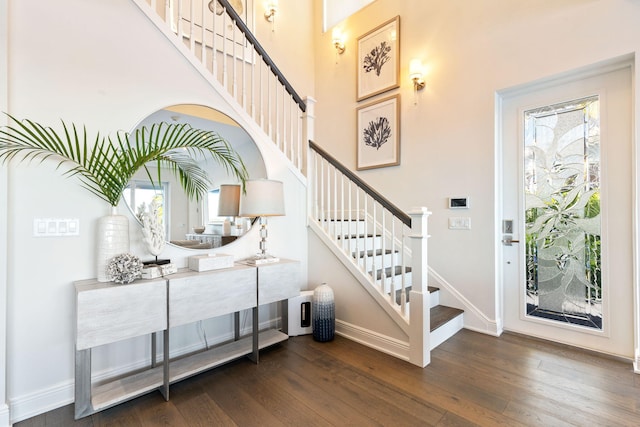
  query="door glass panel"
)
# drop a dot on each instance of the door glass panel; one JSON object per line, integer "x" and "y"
{"x": 562, "y": 212}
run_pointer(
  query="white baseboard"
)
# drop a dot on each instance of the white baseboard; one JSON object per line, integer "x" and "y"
{"x": 383, "y": 343}
{"x": 472, "y": 314}
{"x": 41, "y": 401}
{"x": 494, "y": 332}
{"x": 4, "y": 416}
{"x": 44, "y": 400}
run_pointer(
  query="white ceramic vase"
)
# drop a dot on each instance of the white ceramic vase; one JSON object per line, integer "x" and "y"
{"x": 112, "y": 239}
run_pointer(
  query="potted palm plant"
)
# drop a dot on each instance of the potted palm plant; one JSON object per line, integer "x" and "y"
{"x": 104, "y": 165}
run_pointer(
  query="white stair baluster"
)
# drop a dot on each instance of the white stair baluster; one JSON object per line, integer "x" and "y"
{"x": 345, "y": 245}
{"x": 234, "y": 68}
{"x": 403, "y": 293}
{"x": 203, "y": 28}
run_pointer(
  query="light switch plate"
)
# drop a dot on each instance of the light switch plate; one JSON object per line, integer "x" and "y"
{"x": 459, "y": 223}
{"x": 56, "y": 227}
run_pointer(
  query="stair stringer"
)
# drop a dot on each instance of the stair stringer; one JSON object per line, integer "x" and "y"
{"x": 365, "y": 281}
{"x": 474, "y": 318}
{"x": 238, "y": 113}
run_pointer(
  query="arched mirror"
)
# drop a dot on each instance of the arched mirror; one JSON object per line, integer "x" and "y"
{"x": 204, "y": 224}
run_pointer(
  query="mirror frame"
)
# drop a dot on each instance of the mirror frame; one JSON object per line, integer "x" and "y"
{"x": 209, "y": 118}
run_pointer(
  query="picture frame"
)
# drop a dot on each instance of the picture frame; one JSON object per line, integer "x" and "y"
{"x": 378, "y": 53}
{"x": 378, "y": 138}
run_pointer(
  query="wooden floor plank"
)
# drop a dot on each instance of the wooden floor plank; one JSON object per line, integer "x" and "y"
{"x": 423, "y": 383}
{"x": 473, "y": 380}
{"x": 287, "y": 407}
{"x": 328, "y": 388}
{"x": 375, "y": 405}
{"x": 534, "y": 382}
{"x": 196, "y": 406}
{"x": 238, "y": 402}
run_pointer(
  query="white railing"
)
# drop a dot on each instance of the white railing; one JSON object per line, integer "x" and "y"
{"x": 386, "y": 245}
{"x": 392, "y": 251}
{"x": 229, "y": 54}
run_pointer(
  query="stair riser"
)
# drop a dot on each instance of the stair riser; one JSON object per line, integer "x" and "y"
{"x": 446, "y": 331}
{"x": 397, "y": 283}
{"x": 345, "y": 227}
{"x": 387, "y": 260}
{"x": 361, "y": 243}
{"x": 434, "y": 299}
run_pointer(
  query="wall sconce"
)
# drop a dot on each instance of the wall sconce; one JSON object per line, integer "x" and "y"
{"x": 270, "y": 10}
{"x": 214, "y": 7}
{"x": 415, "y": 73}
{"x": 338, "y": 41}
{"x": 217, "y": 8}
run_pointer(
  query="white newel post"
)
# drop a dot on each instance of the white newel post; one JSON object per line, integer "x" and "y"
{"x": 419, "y": 322}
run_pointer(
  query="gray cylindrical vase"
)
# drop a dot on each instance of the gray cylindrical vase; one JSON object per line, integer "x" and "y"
{"x": 323, "y": 313}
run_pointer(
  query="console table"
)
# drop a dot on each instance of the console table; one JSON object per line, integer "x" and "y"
{"x": 107, "y": 313}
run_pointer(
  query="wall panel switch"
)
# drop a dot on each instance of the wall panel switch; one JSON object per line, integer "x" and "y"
{"x": 55, "y": 227}
{"x": 459, "y": 223}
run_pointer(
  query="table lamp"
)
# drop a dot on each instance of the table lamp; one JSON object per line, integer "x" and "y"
{"x": 262, "y": 198}
{"x": 228, "y": 205}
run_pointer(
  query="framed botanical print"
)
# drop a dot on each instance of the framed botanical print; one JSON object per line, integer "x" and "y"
{"x": 378, "y": 136}
{"x": 379, "y": 59}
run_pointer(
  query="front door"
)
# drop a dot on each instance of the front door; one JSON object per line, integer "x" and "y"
{"x": 566, "y": 229}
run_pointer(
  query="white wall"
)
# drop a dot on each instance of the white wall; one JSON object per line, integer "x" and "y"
{"x": 4, "y": 42}
{"x": 338, "y": 10}
{"x": 471, "y": 50}
{"x": 105, "y": 76}
{"x": 290, "y": 41}
{"x": 103, "y": 65}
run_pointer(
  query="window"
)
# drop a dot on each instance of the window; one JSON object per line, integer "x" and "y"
{"x": 139, "y": 195}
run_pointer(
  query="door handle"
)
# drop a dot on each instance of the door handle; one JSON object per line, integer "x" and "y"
{"x": 507, "y": 241}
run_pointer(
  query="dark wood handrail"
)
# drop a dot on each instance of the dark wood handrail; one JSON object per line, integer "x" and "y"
{"x": 395, "y": 211}
{"x": 263, "y": 53}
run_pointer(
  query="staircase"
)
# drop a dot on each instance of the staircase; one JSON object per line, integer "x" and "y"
{"x": 384, "y": 248}
{"x": 384, "y": 266}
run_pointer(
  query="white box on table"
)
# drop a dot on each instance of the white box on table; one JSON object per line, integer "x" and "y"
{"x": 210, "y": 262}
{"x": 155, "y": 271}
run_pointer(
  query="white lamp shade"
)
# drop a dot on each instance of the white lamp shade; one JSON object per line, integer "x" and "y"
{"x": 263, "y": 197}
{"x": 229, "y": 200}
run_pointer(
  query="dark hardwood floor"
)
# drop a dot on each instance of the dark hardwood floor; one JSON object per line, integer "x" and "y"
{"x": 473, "y": 379}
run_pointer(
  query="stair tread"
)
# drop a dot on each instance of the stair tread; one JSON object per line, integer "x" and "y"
{"x": 387, "y": 271}
{"x": 431, "y": 290}
{"x": 441, "y": 314}
{"x": 357, "y": 236}
{"x": 378, "y": 252}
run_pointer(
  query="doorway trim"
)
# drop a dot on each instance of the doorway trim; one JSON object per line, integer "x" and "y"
{"x": 598, "y": 68}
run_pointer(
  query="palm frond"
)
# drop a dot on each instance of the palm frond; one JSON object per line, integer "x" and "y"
{"x": 105, "y": 166}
